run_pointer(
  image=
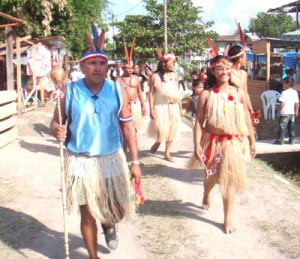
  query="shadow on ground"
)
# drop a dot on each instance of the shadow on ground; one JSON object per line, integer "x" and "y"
{"x": 19, "y": 231}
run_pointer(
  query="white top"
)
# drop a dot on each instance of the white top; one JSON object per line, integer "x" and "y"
{"x": 76, "y": 75}
{"x": 289, "y": 98}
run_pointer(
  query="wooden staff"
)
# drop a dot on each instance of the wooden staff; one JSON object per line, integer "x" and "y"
{"x": 58, "y": 75}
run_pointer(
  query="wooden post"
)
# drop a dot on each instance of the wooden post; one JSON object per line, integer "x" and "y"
{"x": 9, "y": 59}
{"x": 19, "y": 75}
{"x": 254, "y": 67}
{"x": 66, "y": 65}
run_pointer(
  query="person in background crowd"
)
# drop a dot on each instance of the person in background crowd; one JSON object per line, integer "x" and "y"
{"x": 237, "y": 55}
{"x": 131, "y": 83}
{"x": 288, "y": 109}
{"x": 146, "y": 74}
{"x": 197, "y": 88}
{"x": 115, "y": 72}
{"x": 203, "y": 76}
{"x": 165, "y": 105}
{"x": 180, "y": 75}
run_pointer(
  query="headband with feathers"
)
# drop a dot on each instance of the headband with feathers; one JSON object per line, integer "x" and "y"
{"x": 95, "y": 46}
{"x": 167, "y": 56}
{"x": 213, "y": 53}
{"x": 128, "y": 57}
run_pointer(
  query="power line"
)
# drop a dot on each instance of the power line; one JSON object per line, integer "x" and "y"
{"x": 129, "y": 9}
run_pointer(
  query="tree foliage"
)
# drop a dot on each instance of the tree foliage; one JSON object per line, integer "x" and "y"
{"x": 68, "y": 18}
{"x": 186, "y": 29}
{"x": 272, "y": 25}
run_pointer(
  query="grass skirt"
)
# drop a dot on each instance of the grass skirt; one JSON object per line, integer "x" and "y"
{"x": 166, "y": 126}
{"x": 138, "y": 119}
{"x": 104, "y": 181}
{"x": 231, "y": 169}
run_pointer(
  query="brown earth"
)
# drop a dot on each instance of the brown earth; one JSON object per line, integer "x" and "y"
{"x": 169, "y": 225}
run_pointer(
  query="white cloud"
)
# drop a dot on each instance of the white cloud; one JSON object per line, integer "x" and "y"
{"x": 223, "y": 12}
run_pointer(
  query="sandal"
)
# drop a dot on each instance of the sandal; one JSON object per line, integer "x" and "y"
{"x": 155, "y": 147}
{"x": 169, "y": 159}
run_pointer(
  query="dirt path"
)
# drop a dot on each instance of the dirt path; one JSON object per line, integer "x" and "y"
{"x": 169, "y": 225}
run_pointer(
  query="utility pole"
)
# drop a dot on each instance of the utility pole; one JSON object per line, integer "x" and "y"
{"x": 113, "y": 31}
{"x": 165, "y": 26}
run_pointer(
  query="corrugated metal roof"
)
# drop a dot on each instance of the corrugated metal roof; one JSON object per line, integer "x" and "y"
{"x": 292, "y": 7}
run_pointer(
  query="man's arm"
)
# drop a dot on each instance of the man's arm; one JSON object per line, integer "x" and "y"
{"x": 296, "y": 109}
{"x": 130, "y": 138}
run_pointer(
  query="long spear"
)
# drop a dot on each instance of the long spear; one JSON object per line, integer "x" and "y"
{"x": 58, "y": 75}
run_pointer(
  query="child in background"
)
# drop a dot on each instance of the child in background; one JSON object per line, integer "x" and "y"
{"x": 203, "y": 74}
{"x": 197, "y": 88}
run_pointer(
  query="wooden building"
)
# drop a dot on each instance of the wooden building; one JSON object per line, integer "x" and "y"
{"x": 267, "y": 68}
{"x": 8, "y": 105}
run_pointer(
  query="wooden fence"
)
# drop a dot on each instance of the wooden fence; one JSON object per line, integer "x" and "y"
{"x": 8, "y": 117}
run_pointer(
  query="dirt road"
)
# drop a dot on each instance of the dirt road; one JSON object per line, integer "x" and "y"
{"x": 169, "y": 225}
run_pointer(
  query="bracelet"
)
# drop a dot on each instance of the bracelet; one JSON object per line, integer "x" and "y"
{"x": 137, "y": 162}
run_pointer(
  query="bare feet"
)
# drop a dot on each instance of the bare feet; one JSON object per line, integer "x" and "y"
{"x": 169, "y": 159}
{"x": 205, "y": 203}
{"x": 229, "y": 228}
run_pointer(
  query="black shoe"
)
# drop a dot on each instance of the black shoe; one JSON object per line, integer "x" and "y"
{"x": 292, "y": 141}
{"x": 111, "y": 237}
{"x": 278, "y": 142}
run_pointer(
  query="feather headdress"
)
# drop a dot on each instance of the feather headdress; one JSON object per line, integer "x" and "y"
{"x": 242, "y": 39}
{"x": 95, "y": 46}
{"x": 240, "y": 32}
{"x": 214, "y": 52}
{"x": 167, "y": 56}
{"x": 128, "y": 56}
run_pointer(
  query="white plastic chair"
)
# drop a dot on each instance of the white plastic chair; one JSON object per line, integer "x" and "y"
{"x": 270, "y": 99}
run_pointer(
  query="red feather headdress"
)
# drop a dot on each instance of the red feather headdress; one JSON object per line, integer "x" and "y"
{"x": 128, "y": 56}
{"x": 165, "y": 57}
{"x": 214, "y": 52}
{"x": 242, "y": 39}
{"x": 240, "y": 32}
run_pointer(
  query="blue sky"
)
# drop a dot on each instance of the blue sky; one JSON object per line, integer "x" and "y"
{"x": 220, "y": 11}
